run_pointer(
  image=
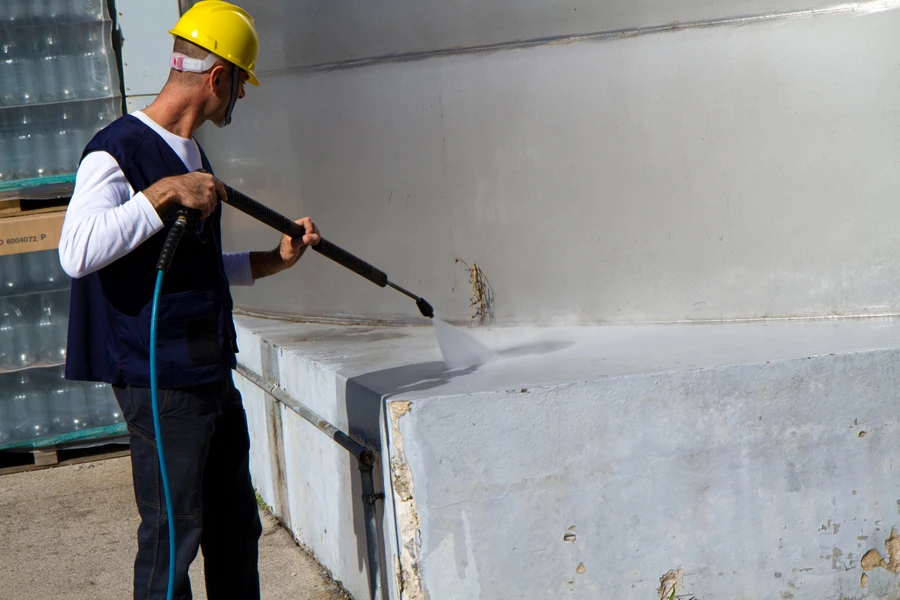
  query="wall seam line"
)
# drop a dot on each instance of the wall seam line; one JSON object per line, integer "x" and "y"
{"x": 859, "y": 8}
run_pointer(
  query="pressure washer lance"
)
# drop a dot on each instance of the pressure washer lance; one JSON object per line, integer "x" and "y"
{"x": 277, "y": 221}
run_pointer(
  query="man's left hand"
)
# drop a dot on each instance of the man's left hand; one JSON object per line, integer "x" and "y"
{"x": 292, "y": 249}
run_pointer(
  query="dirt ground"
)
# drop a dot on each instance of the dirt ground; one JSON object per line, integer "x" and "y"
{"x": 69, "y": 533}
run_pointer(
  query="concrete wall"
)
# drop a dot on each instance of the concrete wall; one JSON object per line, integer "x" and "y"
{"x": 730, "y": 171}
{"x": 754, "y": 480}
{"x": 311, "y": 484}
{"x": 588, "y": 462}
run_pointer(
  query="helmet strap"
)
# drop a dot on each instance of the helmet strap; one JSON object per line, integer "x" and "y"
{"x": 235, "y": 85}
{"x": 183, "y": 63}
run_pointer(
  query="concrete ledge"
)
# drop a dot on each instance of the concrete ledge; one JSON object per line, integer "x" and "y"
{"x": 751, "y": 460}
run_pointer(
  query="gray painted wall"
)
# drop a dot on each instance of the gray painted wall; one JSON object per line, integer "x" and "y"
{"x": 721, "y": 172}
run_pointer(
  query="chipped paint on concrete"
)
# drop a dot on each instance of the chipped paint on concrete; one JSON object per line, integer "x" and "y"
{"x": 670, "y": 584}
{"x": 873, "y": 560}
{"x": 407, "y": 515}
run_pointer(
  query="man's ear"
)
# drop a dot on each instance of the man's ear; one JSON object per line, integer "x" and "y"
{"x": 216, "y": 76}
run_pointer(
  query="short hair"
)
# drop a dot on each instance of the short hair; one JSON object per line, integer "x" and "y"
{"x": 190, "y": 49}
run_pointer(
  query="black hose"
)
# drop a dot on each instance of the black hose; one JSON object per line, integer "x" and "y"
{"x": 175, "y": 234}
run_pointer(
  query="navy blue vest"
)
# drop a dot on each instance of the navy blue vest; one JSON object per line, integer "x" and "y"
{"x": 109, "y": 319}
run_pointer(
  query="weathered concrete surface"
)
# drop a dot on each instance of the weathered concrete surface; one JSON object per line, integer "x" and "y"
{"x": 757, "y": 458}
{"x": 70, "y": 534}
{"x": 311, "y": 483}
{"x": 757, "y": 480}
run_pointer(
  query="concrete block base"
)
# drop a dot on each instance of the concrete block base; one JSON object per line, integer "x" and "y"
{"x": 724, "y": 461}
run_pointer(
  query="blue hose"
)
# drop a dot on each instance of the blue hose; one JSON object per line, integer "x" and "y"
{"x": 164, "y": 474}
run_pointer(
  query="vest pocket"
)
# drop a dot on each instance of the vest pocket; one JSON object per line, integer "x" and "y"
{"x": 189, "y": 333}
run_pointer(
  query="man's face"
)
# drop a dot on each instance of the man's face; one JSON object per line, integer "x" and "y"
{"x": 222, "y": 81}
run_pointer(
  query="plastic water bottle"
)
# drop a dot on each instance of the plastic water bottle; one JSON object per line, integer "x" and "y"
{"x": 5, "y": 425}
{"x": 17, "y": 337}
{"x": 28, "y": 410}
{"x": 43, "y": 271}
{"x": 55, "y": 10}
{"x": 14, "y": 75}
{"x": 7, "y": 164}
{"x": 17, "y": 11}
{"x": 52, "y": 78}
{"x": 8, "y": 159}
{"x": 87, "y": 123}
{"x": 23, "y": 147}
{"x": 70, "y": 84}
{"x": 94, "y": 65}
{"x": 51, "y": 333}
{"x": 12, "y": 275}
{"x": 54, "y": 275}
{"x": 68, "y": 405}
{"x": 39, "y": 407}
{"x": 86, "y": 10}
{"x": 105, "y": 116}
{"x": 102, "y": 403}
{"x": 45, "y": 155}
{"x": 7, "y": 333}
{"x": 67, "y": 155}
{"x": 19, "y": 413}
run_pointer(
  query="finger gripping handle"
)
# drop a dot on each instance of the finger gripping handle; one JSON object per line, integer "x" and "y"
{"x": 355, "y": 264}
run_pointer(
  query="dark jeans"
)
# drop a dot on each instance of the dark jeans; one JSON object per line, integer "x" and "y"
{"x": 207, "y": 446}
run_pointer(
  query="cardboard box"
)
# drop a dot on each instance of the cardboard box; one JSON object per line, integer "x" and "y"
{"x": 31, "y": 233}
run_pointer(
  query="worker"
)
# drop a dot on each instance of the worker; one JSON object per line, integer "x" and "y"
{"x": 132, "y": 176}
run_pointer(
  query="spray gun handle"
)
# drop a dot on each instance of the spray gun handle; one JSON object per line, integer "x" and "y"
{"x": 191, "y": 215}
{"x": 355, "y": 264}
{"x": 286, "y": 226}
{"x": 263, "y": 213}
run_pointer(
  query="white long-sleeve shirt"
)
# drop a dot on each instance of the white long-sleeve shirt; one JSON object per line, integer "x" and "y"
{"x": 106, "y": 220}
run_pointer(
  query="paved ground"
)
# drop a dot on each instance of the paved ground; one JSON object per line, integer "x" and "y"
{"x": 69, "y": 533}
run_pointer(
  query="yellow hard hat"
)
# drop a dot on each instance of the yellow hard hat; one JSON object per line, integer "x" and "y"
{"x": 226, "y": 30}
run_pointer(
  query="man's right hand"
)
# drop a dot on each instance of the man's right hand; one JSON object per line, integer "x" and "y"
{"x": 196, "y": 190}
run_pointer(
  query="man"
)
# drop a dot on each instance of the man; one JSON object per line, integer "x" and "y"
{"x": 131, "y": 176}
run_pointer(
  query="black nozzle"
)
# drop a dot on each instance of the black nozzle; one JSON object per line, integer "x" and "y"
{"x": 425, "y": 308}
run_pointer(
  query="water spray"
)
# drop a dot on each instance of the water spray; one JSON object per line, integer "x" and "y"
{"x": 460, "y": 351}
